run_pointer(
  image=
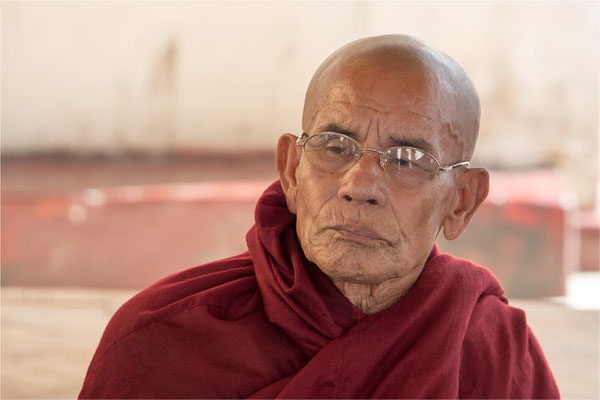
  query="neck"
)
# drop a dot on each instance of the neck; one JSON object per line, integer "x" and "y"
{"x": 371, "y": 298}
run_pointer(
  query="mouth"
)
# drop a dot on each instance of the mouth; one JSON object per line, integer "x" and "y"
{"x": 358, "y": 234}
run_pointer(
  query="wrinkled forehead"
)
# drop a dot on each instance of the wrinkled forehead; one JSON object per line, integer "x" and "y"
{"x": 378, "y": 124}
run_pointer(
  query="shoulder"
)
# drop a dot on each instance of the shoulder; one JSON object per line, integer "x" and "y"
{"x": 209, "y": 284}
{"x": 224, "y": 289}
{"x": 457, "y": 281}
{"x": 464, "y": 270}
{"x": 501, "y": 357}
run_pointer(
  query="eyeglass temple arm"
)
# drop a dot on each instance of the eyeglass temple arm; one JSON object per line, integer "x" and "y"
{"x": 451, "y": 167}
{"x": 299, "y": 141}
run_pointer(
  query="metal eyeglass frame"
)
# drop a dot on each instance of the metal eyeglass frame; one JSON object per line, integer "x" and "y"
{"x": 361, "y": 149}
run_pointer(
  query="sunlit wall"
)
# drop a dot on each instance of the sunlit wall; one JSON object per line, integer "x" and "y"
{"x": 88, "y": 77}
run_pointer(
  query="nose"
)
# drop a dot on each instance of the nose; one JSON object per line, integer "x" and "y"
{"x": 362, "y": 183}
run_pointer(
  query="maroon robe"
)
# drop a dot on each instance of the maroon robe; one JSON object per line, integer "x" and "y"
{"x": 268, "y": 323}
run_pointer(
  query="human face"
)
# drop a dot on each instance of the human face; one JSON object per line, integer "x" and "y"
{"x": 356, "y": 224}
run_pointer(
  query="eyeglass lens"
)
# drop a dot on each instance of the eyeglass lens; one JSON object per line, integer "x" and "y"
{"x": 405, "y": 165}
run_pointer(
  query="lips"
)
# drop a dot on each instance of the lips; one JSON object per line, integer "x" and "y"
{"x": 357, "y": 233}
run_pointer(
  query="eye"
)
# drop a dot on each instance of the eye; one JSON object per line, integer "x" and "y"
{"x": 407, "y": 159}
{"x": 336, "y": 148}
{"x": 403, "y": 162}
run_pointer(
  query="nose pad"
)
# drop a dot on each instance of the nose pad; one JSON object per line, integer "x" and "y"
{"x": 382, "y": 162}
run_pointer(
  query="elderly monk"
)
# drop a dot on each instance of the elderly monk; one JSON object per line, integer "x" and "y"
{"x": 342, "y": 292}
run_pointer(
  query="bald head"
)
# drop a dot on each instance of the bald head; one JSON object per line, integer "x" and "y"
{"x": 378, "y": 61}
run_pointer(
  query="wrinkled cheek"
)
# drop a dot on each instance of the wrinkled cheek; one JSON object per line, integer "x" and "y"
{"x": 301, "y": 228}
{"x": 426, "y": 214}
{"x": 305, "y": 227}
{"x": 310, "y": 206}
{"x": 315, "y": 242}
{"x": 427, "y": 223}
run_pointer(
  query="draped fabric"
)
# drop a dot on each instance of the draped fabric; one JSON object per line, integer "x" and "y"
{"x": 268, "y": 323}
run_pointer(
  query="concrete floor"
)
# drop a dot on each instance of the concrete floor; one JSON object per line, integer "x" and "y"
{"x": 49, "y": 336}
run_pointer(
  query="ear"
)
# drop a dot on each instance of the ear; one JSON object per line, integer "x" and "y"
{"x": 473, "y": 188}
{"x": 287, "y": 159}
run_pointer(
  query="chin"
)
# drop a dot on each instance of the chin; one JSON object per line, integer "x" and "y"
{"x": 366, "y": 268}
{"x": 347, "y": 260}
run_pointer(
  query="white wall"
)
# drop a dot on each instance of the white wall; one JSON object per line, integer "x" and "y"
{"x": 187, "y": 76}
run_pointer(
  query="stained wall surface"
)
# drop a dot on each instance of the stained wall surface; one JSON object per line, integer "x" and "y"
{"x": 114, "y": 77}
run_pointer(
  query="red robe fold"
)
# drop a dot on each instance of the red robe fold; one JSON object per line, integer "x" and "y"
{"x": 268, "y": 323}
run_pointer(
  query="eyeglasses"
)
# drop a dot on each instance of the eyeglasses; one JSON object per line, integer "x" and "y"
{"x": 405, "y": 165}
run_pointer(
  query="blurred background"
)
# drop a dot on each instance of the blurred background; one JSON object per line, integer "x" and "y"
{"x": 137, "y": 136}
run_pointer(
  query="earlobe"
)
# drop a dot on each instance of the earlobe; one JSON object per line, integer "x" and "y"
{"x": 472, "y": 191}
{"x": 287, "y": 159}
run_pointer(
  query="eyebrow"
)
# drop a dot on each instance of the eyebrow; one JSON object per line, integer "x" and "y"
{"x": 421, "y": 144}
